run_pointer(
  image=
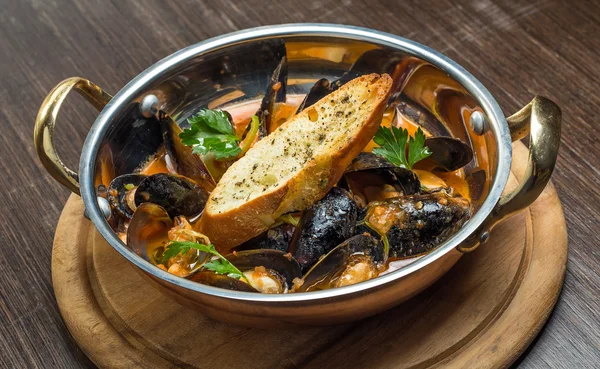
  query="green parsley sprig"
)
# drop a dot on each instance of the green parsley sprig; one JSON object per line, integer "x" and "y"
{"x": 219, "y": 265}
{"x": 211, "y": 131}
{"x": 393, "y": 141}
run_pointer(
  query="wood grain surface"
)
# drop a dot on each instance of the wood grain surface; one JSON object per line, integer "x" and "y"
{"x": 517, "y": 48}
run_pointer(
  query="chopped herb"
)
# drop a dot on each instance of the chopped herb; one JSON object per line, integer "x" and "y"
{"x": 393, "y": 141}
{"x": 219, "y": 265}
{"x": 211, "y": 131}
{"x": 129, "y": 186}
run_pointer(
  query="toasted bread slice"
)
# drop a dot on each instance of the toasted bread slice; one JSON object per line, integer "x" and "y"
{"x": 296, "y": 165}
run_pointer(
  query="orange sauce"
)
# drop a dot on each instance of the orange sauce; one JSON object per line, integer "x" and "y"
{"x": 158, "y": 164}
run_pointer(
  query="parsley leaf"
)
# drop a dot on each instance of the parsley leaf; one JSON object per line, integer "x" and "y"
{"x": 211, "y": 131}
{"x": 219, "y": 266}
{"x": 417, "y": 150}
{"x": 393, "y": 141}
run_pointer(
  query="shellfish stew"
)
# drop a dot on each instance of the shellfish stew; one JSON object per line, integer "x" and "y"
{"x": 291, "y": 192}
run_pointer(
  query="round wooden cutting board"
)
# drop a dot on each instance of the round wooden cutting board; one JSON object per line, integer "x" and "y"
{"x": 482, "y": 314}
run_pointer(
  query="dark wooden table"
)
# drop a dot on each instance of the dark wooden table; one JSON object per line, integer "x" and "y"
{"x": 516, "y": 48}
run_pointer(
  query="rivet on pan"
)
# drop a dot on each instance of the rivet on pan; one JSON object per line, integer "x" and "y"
{"x": 104, "y": 208}
{"x": 149, "y": 106}
{"x": 484, "y": 237}
{"x": 479, "y": 123}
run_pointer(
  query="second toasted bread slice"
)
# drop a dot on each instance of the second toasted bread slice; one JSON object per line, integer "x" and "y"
{"x": 296, "y": 165}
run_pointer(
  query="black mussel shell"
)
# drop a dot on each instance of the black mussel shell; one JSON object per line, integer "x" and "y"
{"x": 176, "y": 194}
{"x": 149, "y": 230}
{"x": 278, "y": 261}
{"x": 276, "y": 92}
{"x": 221, "y": 281}
{"x": 328, "y": 270}
{"x": 323, "y": 226}
{"x": 319, "y": 90}
{"x": 117, "y": 193}
{"x": 406, "y": 179}
{"x": 276, "y": 238}
{"x": 373, "y": 61}
{"x": 421, "y": 117}
{"x": 449, "y": 153}
{"x": 181, "y": 157}
{"x": 421, "y": 222}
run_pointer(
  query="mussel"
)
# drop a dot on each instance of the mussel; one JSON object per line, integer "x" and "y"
{"x": 372, "y": 61}
{"x": 148, "y": 231}
{"x": 265, "y": 271}
{"x": 121, "y": 193}
{"x": 275, "y": 264}
{"x": 276, "y": 238}
{"x": 276, "y": 92}
{"x": 181, "y": 157}
{"x": 323, "y": 226}
{"x": 178, "y": 195}
{"x": 319, "y": 90}
{"x": 416, "y": 224}
{"x": 357, "y": 259}
{"x": 447, "y": 153}
{"x": 221, "y": 281}
{"x": 370, "y": 175}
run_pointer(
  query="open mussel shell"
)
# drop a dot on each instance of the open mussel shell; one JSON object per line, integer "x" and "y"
{"x": 276, "y": 238}
{"x": 221, "y": 281}
{"x": 404, "y": 178}
{"x": 118, "y": 193}
{"x": 181, "y": 157}
{"x": 178, "y": 195}
{"x": 323, "y": 226}
{"x": 279, "y": 261}
{"x": 372, "y": 61}
{"x": 276, "y": 92}
{"x": 421, "y": 117}
{"x": 449, "y": 153}
{"x": 419, "y": 222}
{"x": 355, "y": 260}
{"x": 148, "y": 231}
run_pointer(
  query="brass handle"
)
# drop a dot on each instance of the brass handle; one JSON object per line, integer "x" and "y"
{"x": 43, "y": 134}
{"x": 541, "y": 120}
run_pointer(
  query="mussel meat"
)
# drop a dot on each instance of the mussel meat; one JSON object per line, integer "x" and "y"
{"x": 178, "y": 195}
{"x": 121, "y": 192}
{"x": 357, "y": 259}
{"x": 280, "y": 262}
{"x": 416, "y": 224}
{"x": 323, "y": 226}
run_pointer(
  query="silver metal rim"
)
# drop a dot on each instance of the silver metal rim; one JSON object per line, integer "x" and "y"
{"x": 133, "y": 88}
